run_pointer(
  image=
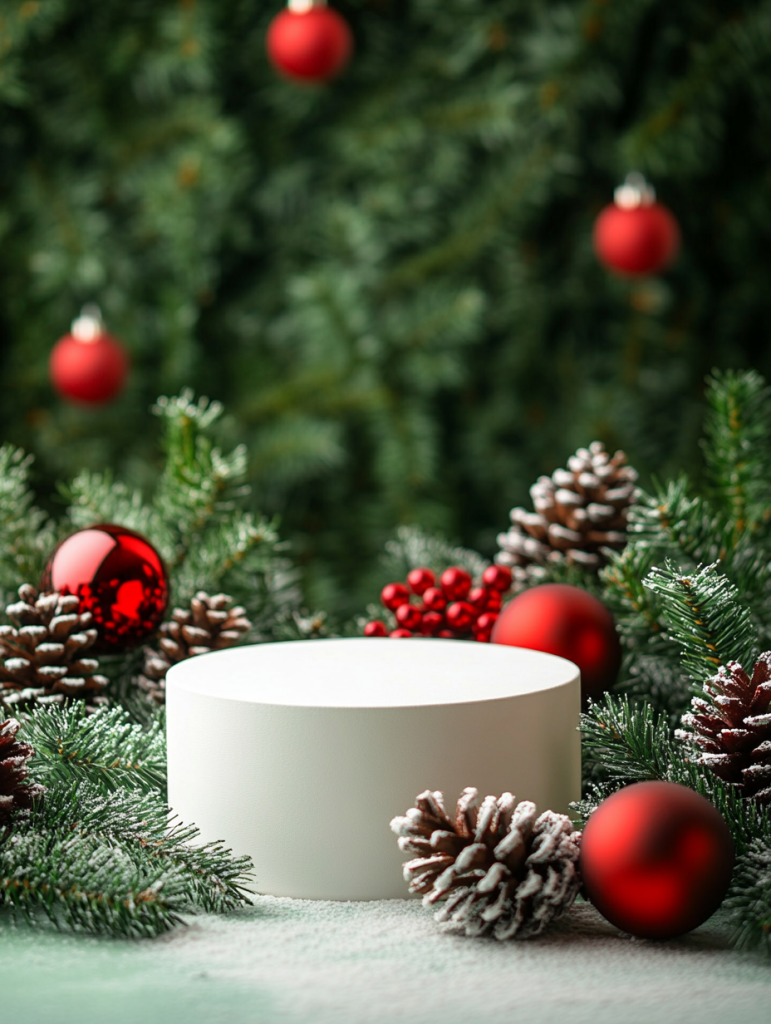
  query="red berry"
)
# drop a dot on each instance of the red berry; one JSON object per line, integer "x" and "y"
{"x": 408, "y": 616}
{"x": 400, "y": 633}
{"x": 456, "y": 583}
{"x": 434, "y": 599}
{"x": 485, "y": 622}
{"x": 460, "y": 615}
{"x": 375, "y": 628}
{"x": 482, "y": 638}
{"x": 432, "y": 623}
{"x": 446, "y": 634}
{"x": 420, "y": 580}
{"x": 478, "y": 597}
{"x": 498, "y": 577}
{"x": 394, "y": 594}
{"x": 494, "y": 601}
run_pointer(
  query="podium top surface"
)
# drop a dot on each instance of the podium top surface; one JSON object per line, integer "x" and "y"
{"x": 370, "y": 672}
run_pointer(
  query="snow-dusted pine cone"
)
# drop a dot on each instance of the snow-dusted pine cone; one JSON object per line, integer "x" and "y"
{"x": 731, "y": 725}
{"x": 42, "y": 655}
{"x": 578, "y": 512}
{"x": 506, "y": 871}
{"x": 15, "y": 791}
{"x": 209, "y": 624}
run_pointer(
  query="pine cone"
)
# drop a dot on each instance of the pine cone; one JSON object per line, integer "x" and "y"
{"x": 15, "y": 791}
{"x": 506, "y": 872}
{"x": 210, "y": 624}
{"x": 41, "y": 654}
{"x": 732, "y": 726}
{"x": 578, "y": 512}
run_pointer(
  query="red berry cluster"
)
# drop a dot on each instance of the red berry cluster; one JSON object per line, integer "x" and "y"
{"x": 454, "y": 609}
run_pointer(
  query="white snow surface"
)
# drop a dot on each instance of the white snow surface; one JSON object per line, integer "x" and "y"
{"x": 307, "y": 962}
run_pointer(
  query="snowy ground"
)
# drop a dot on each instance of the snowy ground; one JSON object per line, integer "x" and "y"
{"x": 353, "y": 963}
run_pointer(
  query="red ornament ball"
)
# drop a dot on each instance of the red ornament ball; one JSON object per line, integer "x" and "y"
{"x": 118, "y": 576}
{"x": 635, "y": 234}
{"x": 419, "y": 580}
{"x": 393, "y": 595}
{"x": 455, "y": 582}
{"x": 567, "y": 621}
{"x": 88, "y": 365}
{"x": 375, "y": 628}
{"x": 656, "y": 859}
{"x": 309, "y": 42}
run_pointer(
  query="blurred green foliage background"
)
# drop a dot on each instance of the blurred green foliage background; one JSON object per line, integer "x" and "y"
{"x": 389, "y": 280}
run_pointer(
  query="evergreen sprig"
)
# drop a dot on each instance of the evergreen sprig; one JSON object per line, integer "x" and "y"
{"x": 706, "y": 617}
{"x": 113, "y": 864}
{"x": 106, "y": 748}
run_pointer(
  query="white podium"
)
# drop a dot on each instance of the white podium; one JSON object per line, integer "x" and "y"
{"x": 299, "y": 754}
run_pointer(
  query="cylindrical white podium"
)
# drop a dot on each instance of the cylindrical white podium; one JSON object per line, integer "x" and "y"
{"x": 299, "y": 754}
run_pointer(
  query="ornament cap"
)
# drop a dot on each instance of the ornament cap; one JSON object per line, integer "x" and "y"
{"x": 89, "y": 326}
{"x": 303, "y": 6}
{"x": 635, "y": 191}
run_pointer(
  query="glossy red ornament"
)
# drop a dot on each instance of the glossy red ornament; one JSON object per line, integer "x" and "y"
{"x": 375, "y": 628}
{"x": 419, "y": 580}
{"x": 434, "y": 599}
{"x": 118, "y": 576}
{"x": 460, "y": 615}
{"x": 88, "y": 365}
{"x": 408, "y": 616}
{"x": 432, "y": 623}
{"x": 567, "y": 621}
{"x": 497, "y": 577}
{"x": 309, "y": 41}
{"x": 478, "y": 596}
{"x": 494, "y": 601}
{"x": 485, "y": 622}
{"x": 400, "y": 633}
{"x": 635, "y": 234}
{"x": 456, "y": 583}
{"x": 394, "y": 594}
{"x": 656, "y": 859}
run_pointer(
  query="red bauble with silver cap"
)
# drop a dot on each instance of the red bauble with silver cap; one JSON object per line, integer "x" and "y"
{"x": 88, "y": 365}
{"x": 309, "y": 41}
{"x": 635, "y": 235}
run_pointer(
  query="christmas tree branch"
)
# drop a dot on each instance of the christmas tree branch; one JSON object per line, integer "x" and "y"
{"x": 737, "y": 446}
{"x": 106, "y": 748}
{"x": 26, "y": 534}
{"x": 706, "y": 618}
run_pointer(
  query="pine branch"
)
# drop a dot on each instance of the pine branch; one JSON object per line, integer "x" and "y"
{"x": 706, "y": 618}
{"x": 737, "y": 446}
{"x": 749, "y": 899}
{"x": 113, "y": 864}
{"x": 26, "y": 534}
{"x": 105, "y": 748}
{"x": 630, "y": 742}
{"x": 98, "y": 498}
{"x": 413, "y": 548}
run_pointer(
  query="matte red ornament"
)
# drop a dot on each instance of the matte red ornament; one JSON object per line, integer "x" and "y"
{"x": 118, "y": 576}
{"x": 455, "y": 582}
{"x": 656, "y": 859}
{"x": 394, "y": 594}
{"x": 88, "y": 365}
{"x": 419, "y": 580}
{"x": 567, "y": 621}
{"x": 309, "y": 41}
{"x": 375, "y": 628}
{"x": 635, "y": 234}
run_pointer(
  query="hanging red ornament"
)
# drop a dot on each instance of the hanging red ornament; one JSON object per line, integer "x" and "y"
{"x": 88, "y": 365}
{"x": 118, "y": 576}
{"x": 309, "y": 41}
{"x": 635, "y": 234}
{"x": 656, "y": 859}
{"x": 567, "y": 621}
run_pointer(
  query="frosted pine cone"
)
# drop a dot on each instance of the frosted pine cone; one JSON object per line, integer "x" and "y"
{"x": 42, "y": 655}
{"x": 731, "y": 725}
{"x": 15, "y": 791}
{"x": 578, "y": 512}
{"x": 210, "y": 624}
{"x": 506, "y": 871}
